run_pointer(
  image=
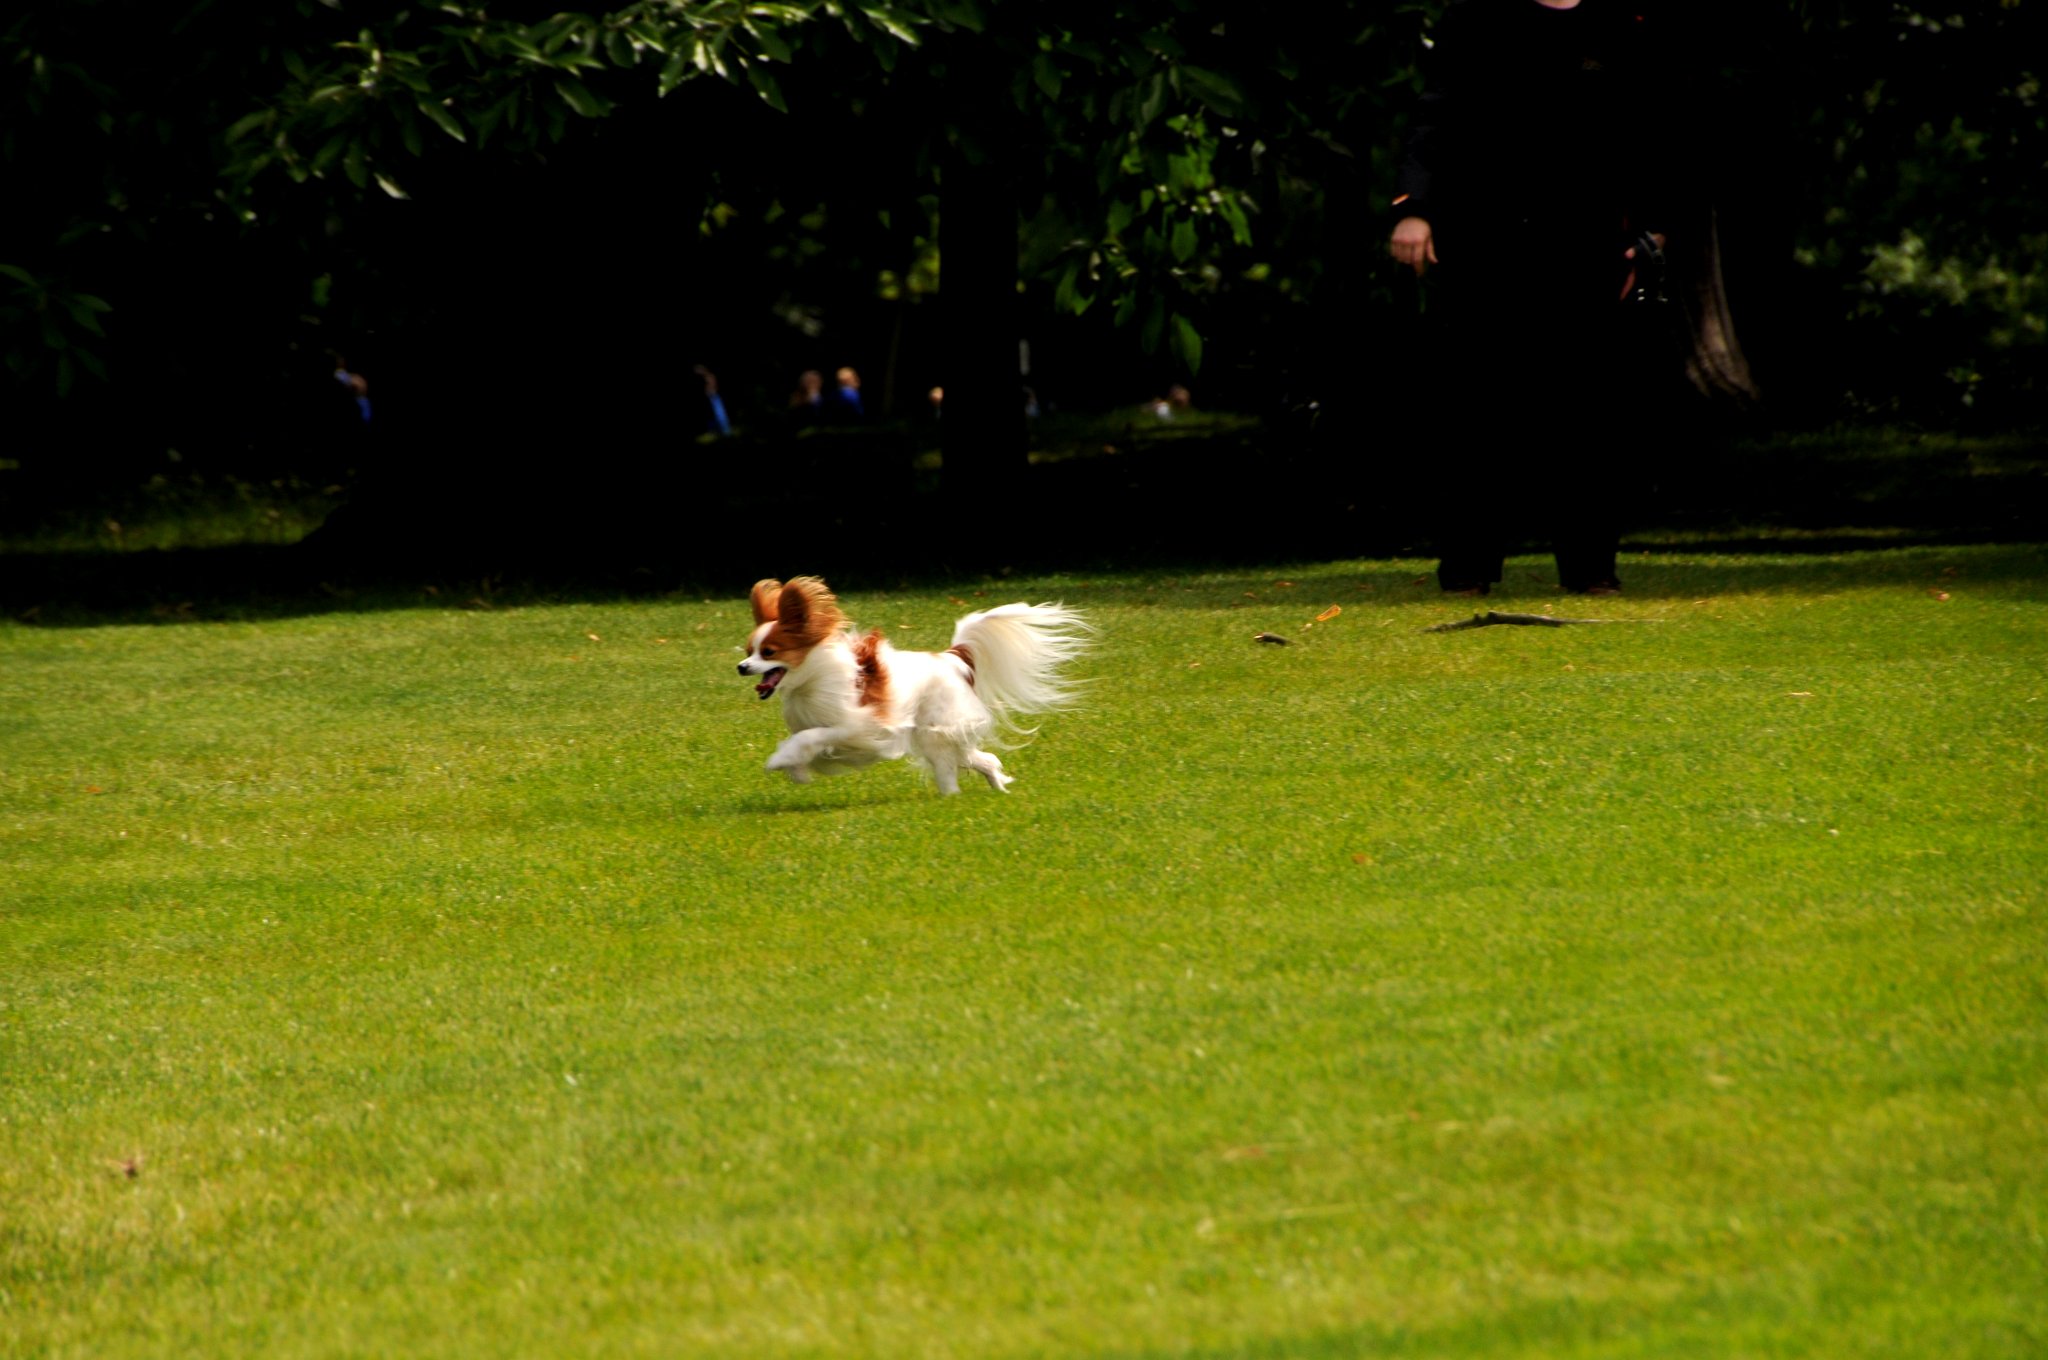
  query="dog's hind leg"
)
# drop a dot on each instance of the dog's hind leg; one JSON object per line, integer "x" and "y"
{"x": 940, "y": 752}
{"x": 990, "y": 768}
{"x": 945, "y": 766}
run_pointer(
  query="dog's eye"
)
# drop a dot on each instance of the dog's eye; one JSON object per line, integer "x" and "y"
{"x": 767, "y": 651}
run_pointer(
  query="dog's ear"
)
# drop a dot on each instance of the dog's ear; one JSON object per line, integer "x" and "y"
{"x": 808, "y": 609}
{"x": 766, "y": 600}
{"x": 794, "y": 607}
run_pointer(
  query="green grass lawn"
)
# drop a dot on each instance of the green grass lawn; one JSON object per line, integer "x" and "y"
{"x": 456, "y": 983}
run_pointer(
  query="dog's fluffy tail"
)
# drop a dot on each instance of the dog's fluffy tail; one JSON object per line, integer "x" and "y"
{"x": 1019, "y": 654}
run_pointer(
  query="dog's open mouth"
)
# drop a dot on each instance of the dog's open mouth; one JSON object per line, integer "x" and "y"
{"x": 770, "y": 681}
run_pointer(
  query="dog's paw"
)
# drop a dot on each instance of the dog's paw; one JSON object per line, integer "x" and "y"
{"x": 799, "y": 774}
{"x": 991, "y": 769}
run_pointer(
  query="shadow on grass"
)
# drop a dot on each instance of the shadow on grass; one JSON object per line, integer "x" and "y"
{"x": 1782, "y": 512}
{"x": 785, "y": 799}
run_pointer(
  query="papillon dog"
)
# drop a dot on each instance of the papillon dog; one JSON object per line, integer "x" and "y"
{"x": 851, "y": 700}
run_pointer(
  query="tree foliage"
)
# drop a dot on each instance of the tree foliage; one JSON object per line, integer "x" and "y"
{"x": 1932, "y": 223}
{"x": 1130, "y": 122}
{"x": 1194, "y": 170}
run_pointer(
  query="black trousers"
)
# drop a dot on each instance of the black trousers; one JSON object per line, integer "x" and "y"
{"x": 1532, "y": 409}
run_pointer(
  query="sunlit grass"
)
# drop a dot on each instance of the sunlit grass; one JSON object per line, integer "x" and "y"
{"x": 457, "y": 983}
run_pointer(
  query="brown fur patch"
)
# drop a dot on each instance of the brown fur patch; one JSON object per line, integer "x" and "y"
{"x": 874, "y": 676}
{"x": 765, "y": 597}
{"x": 807, "y": 612}
{"x": 777, "y": 652}
{"x": 799, "y": 615}
{"x": 961, "y": 650}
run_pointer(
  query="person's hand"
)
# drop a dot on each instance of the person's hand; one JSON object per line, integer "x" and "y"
{"x": 1628, "y": 285}
{"x": 1413, "y": 243}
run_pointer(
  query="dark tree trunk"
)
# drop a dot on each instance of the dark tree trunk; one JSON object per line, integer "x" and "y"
{"x": 1715, "y": 364}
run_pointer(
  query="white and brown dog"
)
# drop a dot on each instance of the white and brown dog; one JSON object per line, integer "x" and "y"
{"x": 853, "y": 700}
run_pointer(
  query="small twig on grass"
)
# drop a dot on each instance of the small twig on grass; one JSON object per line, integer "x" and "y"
{"x": 1492, "y": 617}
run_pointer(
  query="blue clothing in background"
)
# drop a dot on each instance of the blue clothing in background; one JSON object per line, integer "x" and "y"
{"x": 362, "y": 399}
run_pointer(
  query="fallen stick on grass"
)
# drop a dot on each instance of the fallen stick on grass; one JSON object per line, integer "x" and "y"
{"x": 1492, "y": 617}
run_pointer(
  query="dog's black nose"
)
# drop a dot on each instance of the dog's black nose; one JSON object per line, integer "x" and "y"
{"x": 743, "y": 668}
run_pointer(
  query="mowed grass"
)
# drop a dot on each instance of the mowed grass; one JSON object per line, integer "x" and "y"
{"x": 444, "y": 983}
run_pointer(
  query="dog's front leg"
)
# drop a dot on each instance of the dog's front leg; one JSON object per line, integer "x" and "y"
{"x": 799, "y": 749}
{"x": 793, "y": 757}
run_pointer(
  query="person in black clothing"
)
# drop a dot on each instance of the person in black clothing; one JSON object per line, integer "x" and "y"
{"x": 1531, "y": 189}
